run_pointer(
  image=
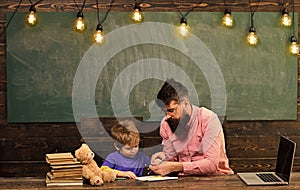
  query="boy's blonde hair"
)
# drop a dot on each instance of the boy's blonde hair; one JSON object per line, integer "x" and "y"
{"x": 126, "y": 133}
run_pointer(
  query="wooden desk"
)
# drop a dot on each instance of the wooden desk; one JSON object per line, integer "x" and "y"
{"x": 230, "y": 182}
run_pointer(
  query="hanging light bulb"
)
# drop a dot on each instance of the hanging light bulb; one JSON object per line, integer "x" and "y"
{"x": 31, "y": 18}
{"x": 294, "y": 47}
{"x": 252, "y": 38}
{"x": 285, "y": 18}
{"x": 99, "y": 35}
{"x": 80, "y": 24}
{"x": 183, "y": 28}
{"x": 136, "y": 15}
{"x": 227, "y": 19}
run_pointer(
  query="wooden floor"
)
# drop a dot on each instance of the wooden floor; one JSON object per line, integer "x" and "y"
{"x": 230, "y": 182}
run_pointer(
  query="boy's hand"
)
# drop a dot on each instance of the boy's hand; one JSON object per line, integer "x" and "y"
{"x": 127, "y": 174}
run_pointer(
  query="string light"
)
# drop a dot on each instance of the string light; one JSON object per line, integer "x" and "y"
{"x": 227, "y": 19}
{"x": 99, "y": 35}
{"x": 183, "y": 28}
{"x": 136, "y": 15}
{"x": 285, "y": 18}
{"x": 31, "y": 18}
{"x": 252, "y": 38}
{"x": 79, "y": 23}
{"x": 294, "y": 46}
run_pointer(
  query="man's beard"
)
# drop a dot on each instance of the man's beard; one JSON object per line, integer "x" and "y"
{"x": 177, "y": 125}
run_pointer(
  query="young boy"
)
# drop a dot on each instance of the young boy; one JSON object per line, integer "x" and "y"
{"x": 127, "y": 160}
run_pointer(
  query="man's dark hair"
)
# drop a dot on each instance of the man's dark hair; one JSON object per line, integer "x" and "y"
{"x": 171, "y": 90}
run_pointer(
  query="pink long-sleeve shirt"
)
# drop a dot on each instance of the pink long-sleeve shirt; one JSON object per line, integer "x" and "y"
{"x": 200, "y": 146}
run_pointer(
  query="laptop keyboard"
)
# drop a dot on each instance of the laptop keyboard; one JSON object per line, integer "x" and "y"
{"x": 268, "y": 177}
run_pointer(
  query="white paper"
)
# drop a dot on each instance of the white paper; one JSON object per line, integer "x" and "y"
{"x": 155, "y": 178}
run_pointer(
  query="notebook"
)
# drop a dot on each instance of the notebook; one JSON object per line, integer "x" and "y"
{"x": 284, "y": 163}
{"x": 155, "y": 178}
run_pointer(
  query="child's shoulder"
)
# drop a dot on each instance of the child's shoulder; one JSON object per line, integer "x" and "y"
{"x": 113, "y": 154}
{"x": 143, "y": 155}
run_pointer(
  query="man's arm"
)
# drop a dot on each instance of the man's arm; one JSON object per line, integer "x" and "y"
{"x": 209, "y": 163}
{"x": 167, "y": 167}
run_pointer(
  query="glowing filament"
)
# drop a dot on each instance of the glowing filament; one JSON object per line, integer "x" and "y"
{"x": 294, "y": 48}
{"x": 252, "y": 38}
{"x": 99, "y": 36}
{"x": 136, "y": 16}
{"x": 31, "y": 19}
{"x": 286, "y": 20}
{"x": 79, "y": 25}
{"x": 227, "y": 20}
{"x": 183, "y": 29}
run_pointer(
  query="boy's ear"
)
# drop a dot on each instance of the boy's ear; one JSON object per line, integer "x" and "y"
{"x": 116, "y": 147}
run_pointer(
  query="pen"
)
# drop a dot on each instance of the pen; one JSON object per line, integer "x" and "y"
{"x": 148, "y": 173}
{"x": 121, "y": 178}
{"x": 157, "y": 161}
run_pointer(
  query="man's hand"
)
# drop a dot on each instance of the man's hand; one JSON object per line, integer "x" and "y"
{"x": 167, "y": 167}
{"x": 157, "y": 158}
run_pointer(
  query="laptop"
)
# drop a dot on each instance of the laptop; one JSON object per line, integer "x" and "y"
{"x": 284, "y": 163}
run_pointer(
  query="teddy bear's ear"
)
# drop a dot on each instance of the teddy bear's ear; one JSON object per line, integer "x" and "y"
{"x": 77, "y": 154}
{"x": 85, "y": 147}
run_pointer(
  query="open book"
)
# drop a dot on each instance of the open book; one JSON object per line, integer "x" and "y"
{"x": 155, "y": 178}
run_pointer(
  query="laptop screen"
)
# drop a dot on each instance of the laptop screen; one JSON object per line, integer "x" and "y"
{"x": 285, "y": 158}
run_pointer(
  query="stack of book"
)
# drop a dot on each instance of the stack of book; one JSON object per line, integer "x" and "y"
{"x": 65, "y": 170}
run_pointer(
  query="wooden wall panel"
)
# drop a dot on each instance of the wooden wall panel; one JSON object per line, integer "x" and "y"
{"x": 251, "y": 145}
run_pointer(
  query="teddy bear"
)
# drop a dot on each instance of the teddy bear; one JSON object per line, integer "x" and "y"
{"x": 90, "y": 169}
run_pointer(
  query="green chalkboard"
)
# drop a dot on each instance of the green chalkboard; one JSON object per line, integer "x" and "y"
{"x": 55, "y": 74}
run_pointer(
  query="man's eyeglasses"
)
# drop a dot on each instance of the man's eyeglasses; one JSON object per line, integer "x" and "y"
{"x": 170, "y": 110}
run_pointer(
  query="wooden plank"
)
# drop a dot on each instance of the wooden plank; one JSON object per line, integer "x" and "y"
{"x": 262, "y": 127}
{"x": 252, "y": 146}
{"x": 3, "y": 114}
{"x": 151, "y": 141}
{"x": 35, "y": 149}
{"x": 95, "y": 127}
{"x": 23, "y": 130}
{"x": 152, "y": 128}
{"x": 163, "y": 5}
{"x": 257, "y": 164}
{"x": 23, "y": 168}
